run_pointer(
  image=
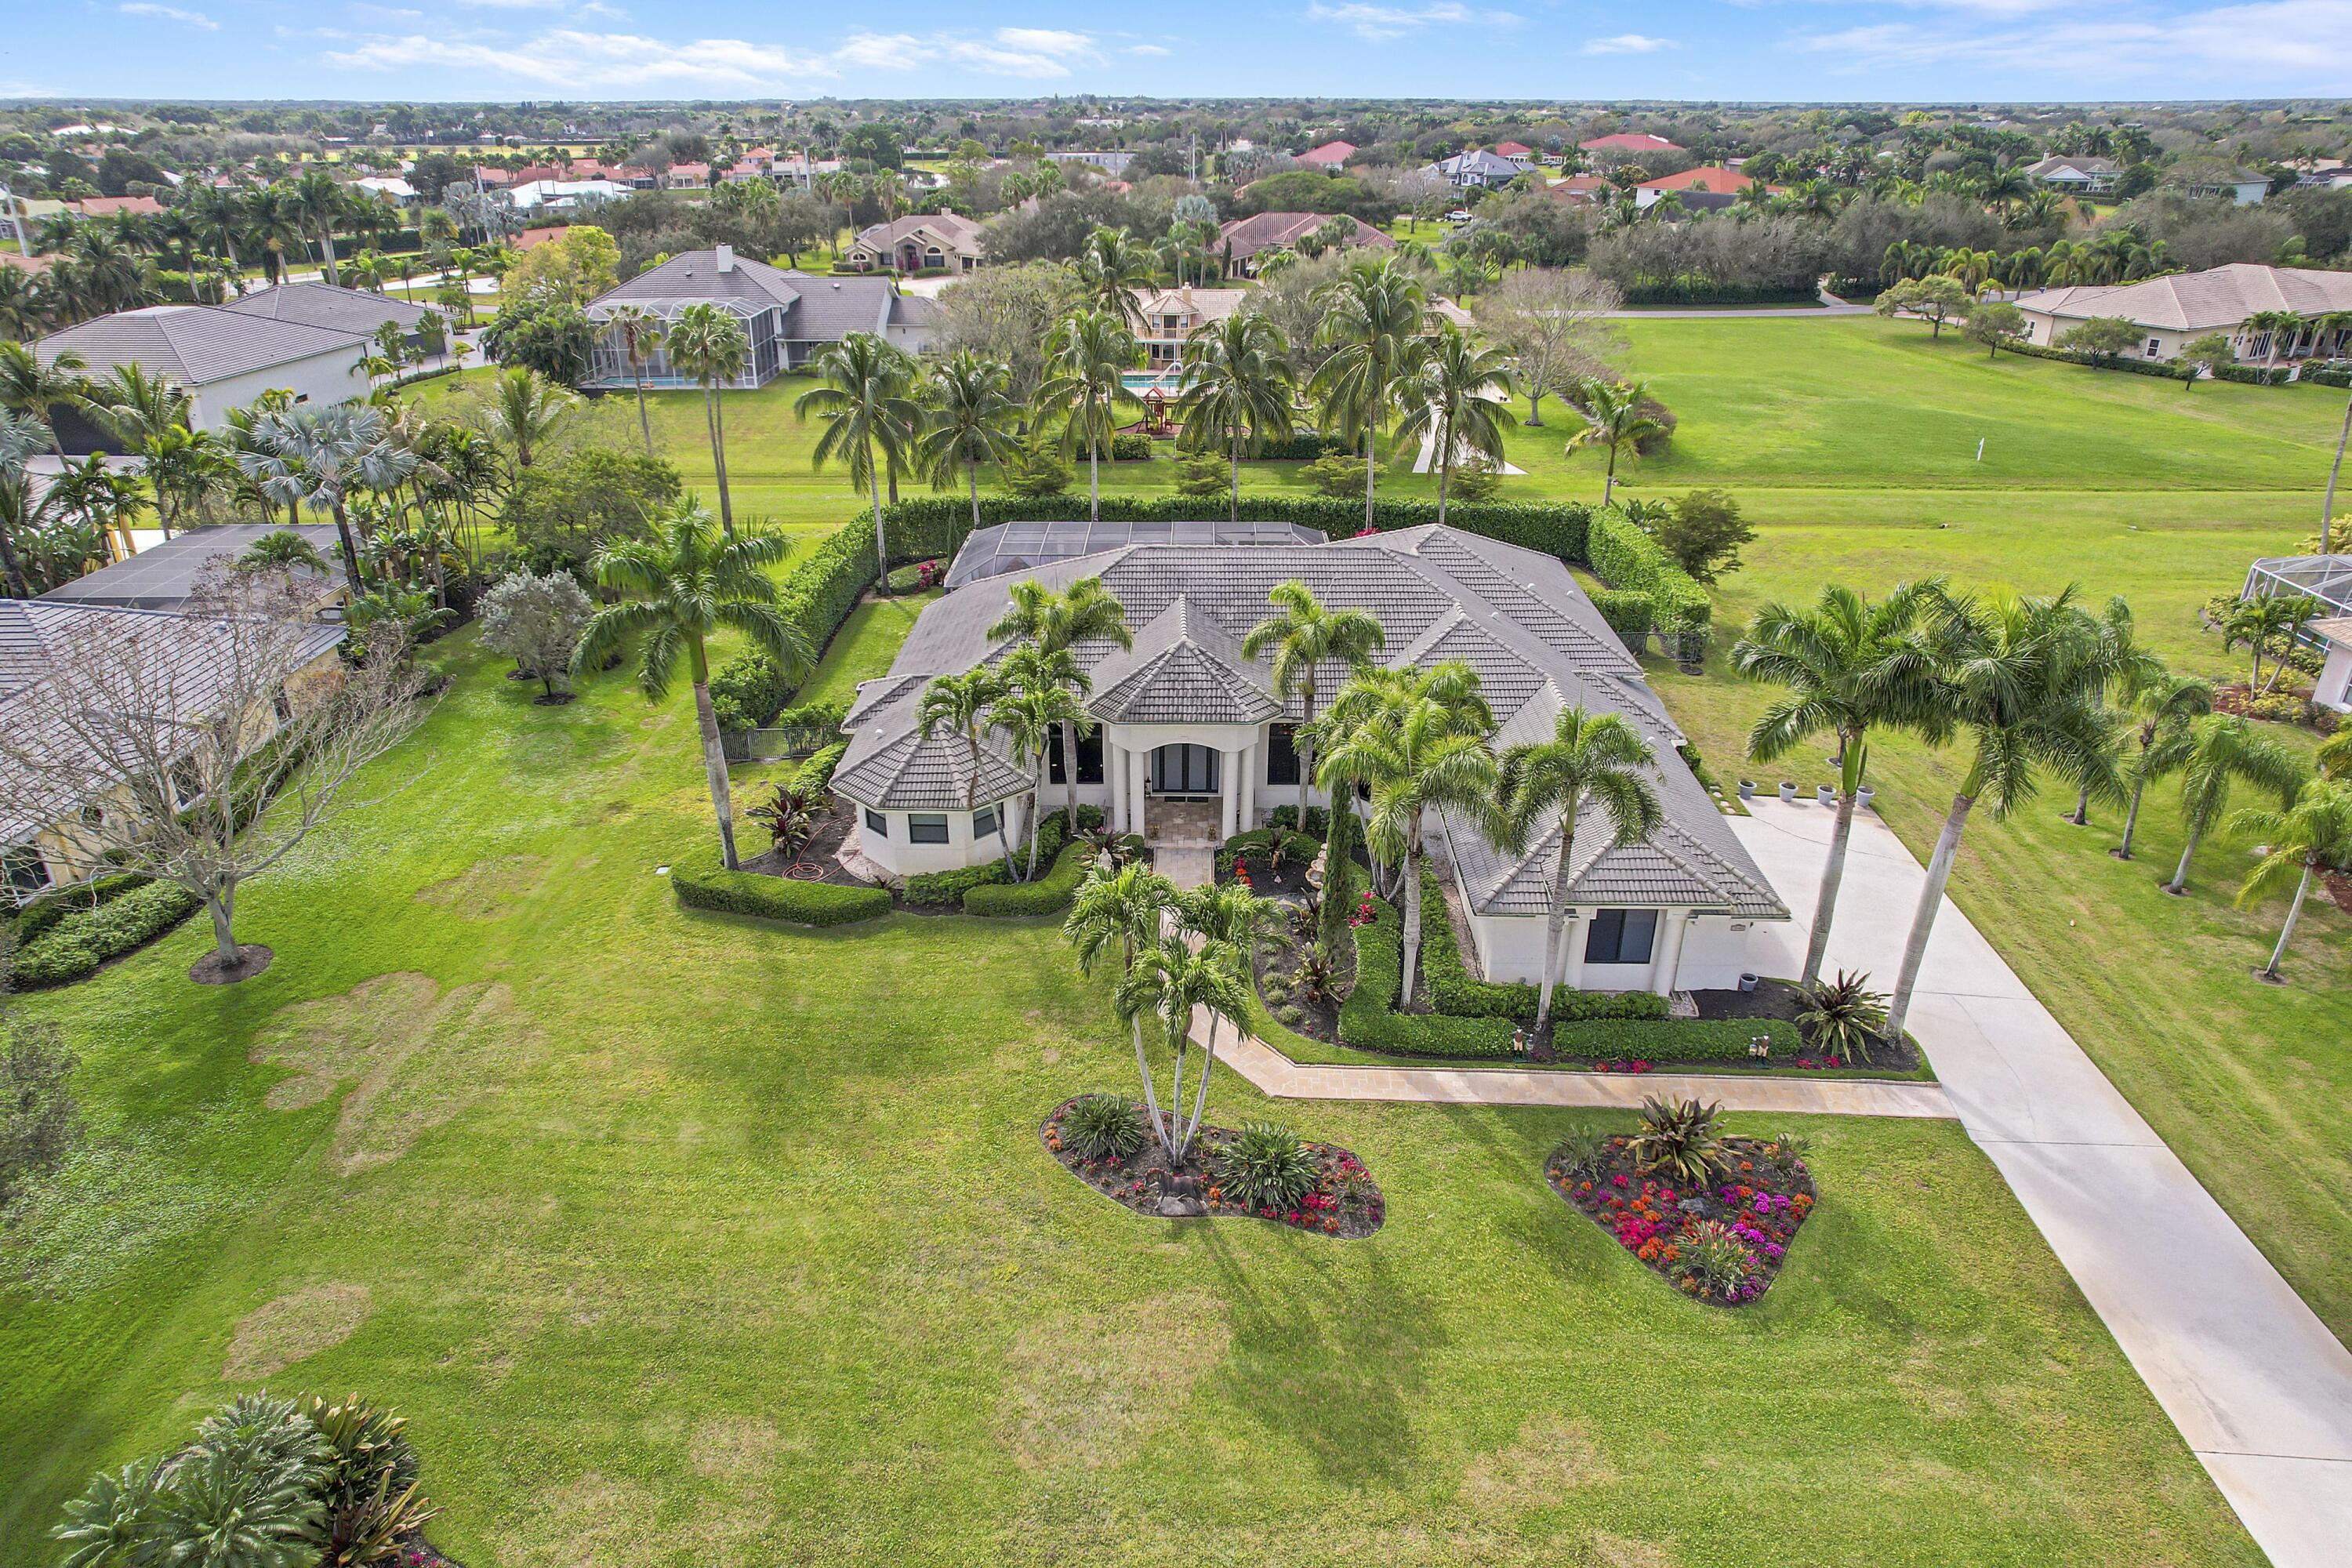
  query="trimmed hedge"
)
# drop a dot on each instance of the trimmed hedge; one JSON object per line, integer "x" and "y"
{"x": 948, "y": 890}
{"x": 1630, "y": 614}
{"x": 702, "y": 883}
{"x": 747, "y": 691}
{"x": 44, "y": 912}
{"x": 83, "y": 939}
{"x": 2162, "y": 368}
{"x": 1670, "y": 1039}
{"x": 817, "y": 772}
{"x": 1261, "y": 841}
{"x": 1133, "y": 447}
{"x": 1049, "y": 894}
{"x": 1318, "y": 821}
{"x": 1298, "y": 447}
{"x": 2252, "y": 376}
{"x": 2337, "y": 378}
{"x": 1629, "y": 560}
{"x": 1370, "y": 1021}
{"x": 1457, "y": 993}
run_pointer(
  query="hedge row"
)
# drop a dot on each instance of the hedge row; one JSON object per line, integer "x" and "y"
{"x": 1455, "y": 991}
{"x": 2251, "y": 374}
{"x": 78, "y": 943}
{"x": 1369, "y": 1019}
{"x": 702, "y": 883}
{"x": 947, "y": 889}
{"x": 1630, "y": 561}
{"x": 1630, "y": 614}
{"x": 817, "y": 772}
{"x": 747, "y": 691}
{"x": 45, "y": 911}
{"x": 2096, "y": 361}
{"x": 2329, "y": 377}
{"x": 1670, "y": 1039}
{"x": 1049, "y": 894}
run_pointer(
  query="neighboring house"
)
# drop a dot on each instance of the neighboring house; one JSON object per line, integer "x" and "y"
{"x": 2327, "y": 177}
{"x": 386, "y": 188}
{"x": 926, "y": 242}
{"x": 1518, "y": 152}
{"x": 2175, "y": 310}
{"x": 2333, "y": 687}
{"x": 1329, "y": 157}
{"x": 1113, "y": 164}
{"x": 114, "y": 206}
{"x": 52, "y": 835}
{"x": 1710, "y": 185}
{"x": 223, "y": 358}
{"x": 2075, "y": 176}
{"x": 1629, "y": 142}
{"x": 1184, "y": 716}
{"x": 788, "y": 316}
{"x": 2207, "y": 177}
{"x": 358, "y": 311}
{"x": 563, "y": 195}
{"x": 164, "y": 575}
{"x": 1243, "y": 240}
{"x": 687, "y": 177}
{"x": 1477, "y": 169}
{"x": 1171, "y": 315}
{"x": 1578, "y": 189}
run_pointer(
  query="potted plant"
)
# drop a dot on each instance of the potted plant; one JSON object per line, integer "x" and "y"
{"x": 1747, "y": 789}
{"x": 1862, "y": 796}
{"x": 1826, "y": 794}
{"x": 1788, "y": 790}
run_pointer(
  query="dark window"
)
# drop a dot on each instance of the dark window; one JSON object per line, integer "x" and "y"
{"x": 1282, "y": 755}
{"x": 283, "y": 706}
{"x": 26, "y": 872}
{"x": 1621, "y": 936}
{"x": 984, "y": 822}
{"x": 876, "y": 823}
{"x": 1181, "y": 769}
{"x": 1090, "y": 757}
{"x": 926, "y": 828}
{"x": 93, "y": 815}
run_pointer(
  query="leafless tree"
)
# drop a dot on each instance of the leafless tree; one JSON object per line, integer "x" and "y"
{"x": 204, "y": 747}
{"x": 1555, "y": 326}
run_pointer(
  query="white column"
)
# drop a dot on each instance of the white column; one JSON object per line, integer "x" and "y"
{"x": 1115, "y": 775}
{"x": 1250, "y": 755}
{"x": 1673, "y": 924}
{"x": 1139, "y": 774}
{"x": 1228, "y": 791}
{"x": 1572, "y": 969}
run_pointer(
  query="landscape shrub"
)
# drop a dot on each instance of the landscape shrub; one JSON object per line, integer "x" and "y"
{"x": 1630, "y": 614}
{"x": 2069, "y": 356}
{"x": 1266, "y": 1166}
{"x": 747, "y": 691}
{"x": 1130, "y": 446}
{"x": 1103, "y": 1127}
{"x": 1297, "y": 847}
{"x": 1629, "y": 560}
{"x": 1455, "y": 991}
{"x": 702, "y": 883}
{"x": 2251, "y": 374}
{"x": 1298, "y": 447}
{"x": 1318, "y": 821}
{"x": 816, "y": 773}
{"x": 1050, "y": 894}
{"x": 947, "y": 889}
{"x": 2340, "y": 378}
{"x": 1368, "y": 1018}
{"x": 83, "y": 939}
{"x": 1670, "y": 1039}
{"x": 47, "y": 910}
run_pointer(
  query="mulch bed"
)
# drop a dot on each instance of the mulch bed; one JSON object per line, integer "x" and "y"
{"x": 819, "y": 859}
{"x": 1279, "y": 956}
{"x": 1287, "y": 881}
{"x": 1780, "y": 1000}
{"x": 1347, "y": 1203}
{"x": 252, "y": 958}
{"x": 1761, "y": 1196}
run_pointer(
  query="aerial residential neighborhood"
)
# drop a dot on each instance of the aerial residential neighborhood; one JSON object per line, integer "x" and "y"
{"x": 965, "y": 791}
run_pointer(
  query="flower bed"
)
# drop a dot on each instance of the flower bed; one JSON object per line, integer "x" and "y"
{"x": 1346, "y": 1202}
{"x": 1749, "y": 1214}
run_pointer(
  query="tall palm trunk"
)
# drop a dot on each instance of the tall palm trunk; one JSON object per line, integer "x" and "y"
{"x": 1070, "y": 779}
{"x": 719, "y": 459}
{"x": 2286, "y": 933}
{"x": 1817, "y": 945}
{"x": 1556, "y": 918}
{"x": 644, "y": 423}
{"x": 1923, "y": 922}
{"x": 1159, "y": 1130}
{"x": 2131, "y": 818}
{"x": 2327, "y": 507}
{"x": 881, "y": 542}
{"x": 1372, "y": 466}
{"x": 1445, "y": 466}
{"x": 1410, "y": 895}
{"x": 1094, "y": 477}
{"x": 327, "y": 250}
{"x": 14, "y": 567}
{"x": 714, "y": 760}
{"x": 971, "y": 476}
{"x": 350, "y": 550}
{"x": 1609, "y": 480}
{"x": 1235, "y": 512}
{"x": 2179, "y": 883}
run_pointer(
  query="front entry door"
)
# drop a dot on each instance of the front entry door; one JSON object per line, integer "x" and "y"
{"x": 1184, "y": 770}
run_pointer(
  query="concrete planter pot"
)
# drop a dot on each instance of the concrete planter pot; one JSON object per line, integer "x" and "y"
{"x": 1826, "y": 794}
{"x": 1747, "y": 789}
{"x": 1788, "y": 791}
{"x": 1862, "y": 797}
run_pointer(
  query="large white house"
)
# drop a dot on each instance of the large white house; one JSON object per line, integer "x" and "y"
{"x": 1184, "y": 716}
{"x": 2176, "y": 310}
{"x": 787, "y": 317}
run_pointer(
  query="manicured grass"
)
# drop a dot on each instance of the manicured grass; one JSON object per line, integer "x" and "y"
{"x": 862, "y": 648}
{"x": 688, "y": 1240}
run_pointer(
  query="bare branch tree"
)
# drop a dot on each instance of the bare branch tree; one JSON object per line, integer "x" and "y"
{"x": 1556, "y": 325}
{"x": 202, "y": 748}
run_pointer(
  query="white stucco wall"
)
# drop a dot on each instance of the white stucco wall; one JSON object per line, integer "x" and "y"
{"x": 2334, "y": 687}
{"x": 316, "y": 382}
{"x": 1712, "y": 955}
{"x": 899, "y": 855}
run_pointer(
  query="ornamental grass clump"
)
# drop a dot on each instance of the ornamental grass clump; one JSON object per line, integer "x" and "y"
{"x": 1711, "y": 1259}
{"x": 1103, "y": 1127}
{"x": 1842, "y": 1016}
{"x": 1581, "y": 1152}
{"x": 1682, "y": 1139}
{"x": 1266, "y": 1167}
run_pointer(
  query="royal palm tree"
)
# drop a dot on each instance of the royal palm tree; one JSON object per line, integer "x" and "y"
{"x": 1373, "y": 314}
{"x": 639, "y": 333}
{"x": 2224, "y": 750}
{"x": 525, "y": 410}
{"x": 2164, "y": 712}
{"x": 869, "y": 420}
{"x": 1165, "y": 986}
{"x": 968, "y": 419}
{"x": 1086, "y": 358}
{"x": 710, "y": 344}
{"x": 1614, "y": 422}
{"x": 1453, "y": 401}
{"x": 1301, "y": 637}
{"x": 217, "y": 217}
{"x": 1229, "y": 921}
{"x": 321, "y": 204}
{"x": 687, "y": 581}
{"x": 2013, "y": 677}
{"x": 1112, "y": 268}
{"x": 1598, "y": 758}
{"x": 1415, "y": 755}
{"x": 274, "y": 219}
{"x": 318, "y": 457}
{"x": 1238, "y": 389}
{"x": 1055, "y": 624}
{"x": 33, "y": 390}
{"x": 1850, "y": 667}
{"x": 1123, "y": 904}
{"x": 2313, "y": 834}
{"x": 961, "y": 703}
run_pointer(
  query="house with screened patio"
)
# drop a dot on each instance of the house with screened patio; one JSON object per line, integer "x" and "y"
{"x": 1183, "y": 723}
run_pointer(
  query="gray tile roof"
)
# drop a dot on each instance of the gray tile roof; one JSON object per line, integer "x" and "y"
{"x": 832, "y": 307}
{"x": 164, "y": 575}
{"x": 353, "y": 311}
{"x": 193, "y": 345}
{"x": 914, "y": 772}
{"x": 695, "y": 274}
{"x": 1516, "y": 616}
{"x": 816, "y": 308}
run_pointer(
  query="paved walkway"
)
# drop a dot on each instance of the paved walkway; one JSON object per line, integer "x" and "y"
{"x": 2256, "y": 1384}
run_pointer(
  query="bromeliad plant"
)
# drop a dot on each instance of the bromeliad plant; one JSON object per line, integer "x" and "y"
{"x": 1266, "y": 1167}
{"x": 1841, "y": 1016}
{"x": 1103, "y": 1127}
{"x": 1680, "y": 1139}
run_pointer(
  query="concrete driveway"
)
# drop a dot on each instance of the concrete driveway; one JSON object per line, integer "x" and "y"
{"x": 2256, "y": 1384}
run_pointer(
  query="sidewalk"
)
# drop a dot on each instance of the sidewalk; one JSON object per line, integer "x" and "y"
{"x": 2254, "y": 1380}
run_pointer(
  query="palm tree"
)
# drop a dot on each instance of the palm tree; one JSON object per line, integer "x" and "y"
{"x": 1416, "y": 753}
{"x": 1237, "y": 388}
{"x": 1055, "y": 624}
{"x": 968, "y": 419}
{"x": 218, "y": 217}
{"x": 2224, "y": 750}
{"x": 690, "y": 580}
{"x": 1086, "y": 358}
{"x": 869, "y": 420}
{"x": 321, "y": 203}
{"x": 1372, "y": 324}
{"x": 2335, "y": 756}
{"x": 2280, "y": 327}
{"x": 640, "y": 332}
{"x": 525, "y": 410}
{"x": 962, "y": 703}
{"x": 1035, "y": 704}
{"x": 275, "y": 220}
{"x": 1450, "y": 400}
{"x": 1850, "y": 667}
{"x": 1614, "y": 422}
{"x": 1302, "y": 636}
{"x": 1112, "y": 267}
{"x": 2166, "y": 710}
{"x": 1165, "y": 986}
{"x": 2013, "y": 676}
{"x": 2313, "y": 834}
{"x": 317, "y": 457}
{"x": 33, "y": 390}
{"x": 1124, "y": 904}
{"x": 1600, "y": 758}
{"x": 2121, "y": 669}
{"x": 1229, "y": 920}
{"x": 19, "y": 509}
{"x": 710, "y": 344}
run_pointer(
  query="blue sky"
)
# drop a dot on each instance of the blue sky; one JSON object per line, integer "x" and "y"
{"x": 1779, "y": 50}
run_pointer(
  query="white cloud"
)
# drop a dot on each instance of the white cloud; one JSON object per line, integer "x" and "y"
{"x": 1629, "y": 44}
{"x": 2293, "y": 45}
{"x": 1378, "y": 24}
{"x": 1148, "y": 49}
{"x": 171, "y": 14}
{"x": 629, "y": 62}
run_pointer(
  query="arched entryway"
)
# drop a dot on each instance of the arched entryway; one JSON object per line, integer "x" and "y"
{"x": 910, "y": 259}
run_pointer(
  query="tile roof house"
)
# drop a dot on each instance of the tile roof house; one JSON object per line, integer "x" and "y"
{"x": 1171, "y": 315}
{"x": 1329, "y": 156}
{"x": 1514, "y": 150}
{"x": 2175, "y": 310}
{"x": 923, "y": 242}
{"x": 1183, "y": 714}
{"x": 1477, "y": 169}
{"x": 789, "y": 316}
{"x": 1243, "y": 240}
{"x": 2081, "y": 175}
{"x": 1577, "y": 188}
{"x": 359, "y": 311}
{"x": 1629, "y": 142}
{"x": 221, "y": 357}
{"x": 1708, "y": 186}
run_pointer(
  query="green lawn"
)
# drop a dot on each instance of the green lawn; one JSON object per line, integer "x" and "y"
{"x": 862, "y": 648}
{"x": 688, "y": 1240}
